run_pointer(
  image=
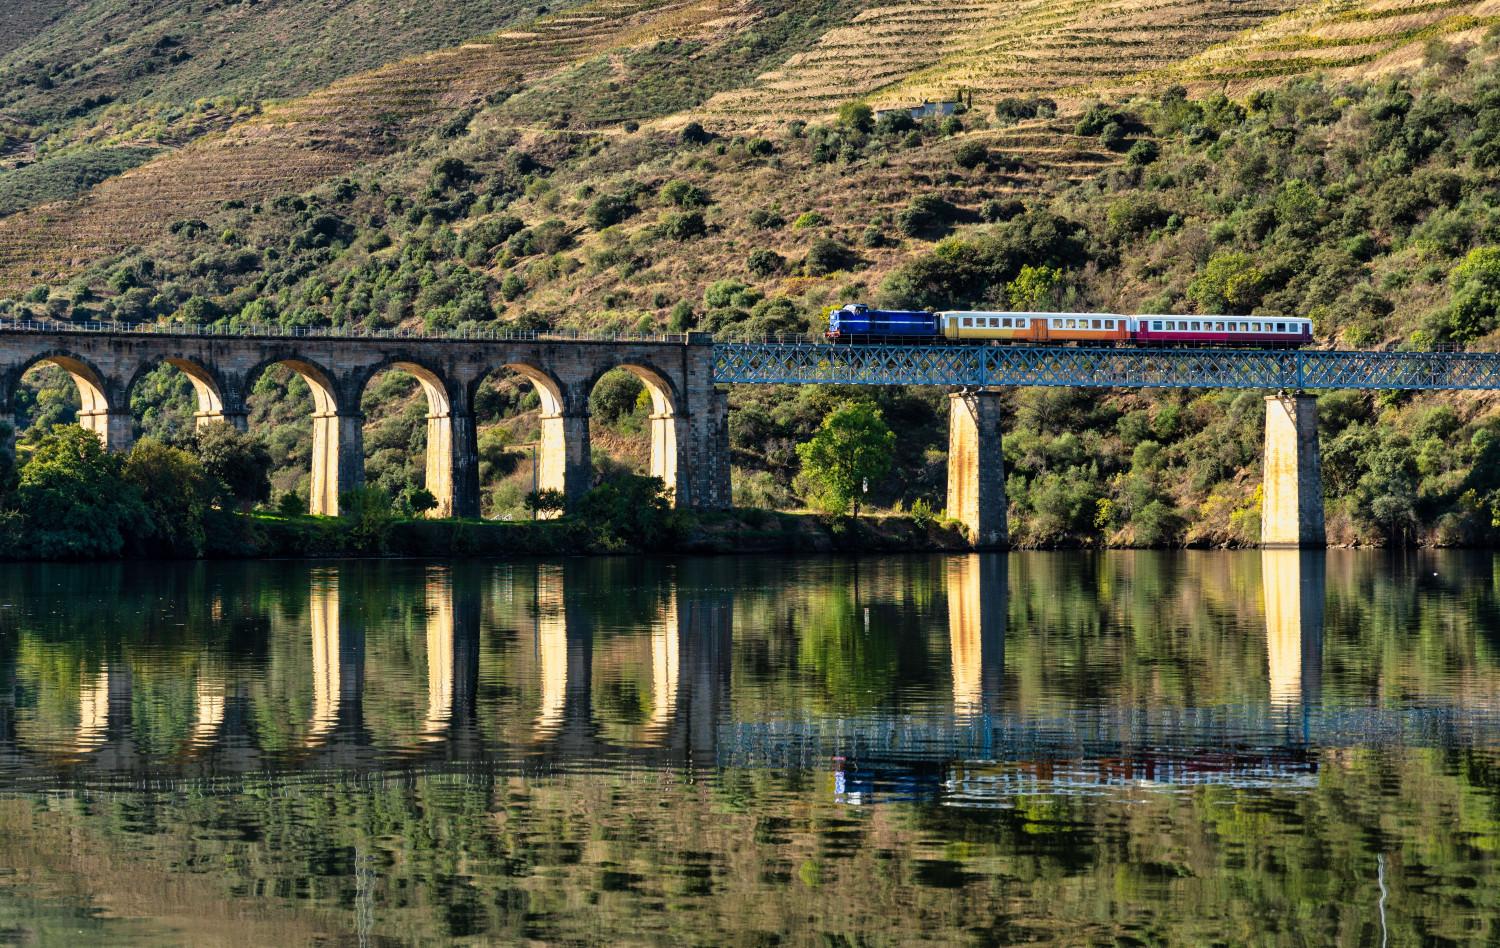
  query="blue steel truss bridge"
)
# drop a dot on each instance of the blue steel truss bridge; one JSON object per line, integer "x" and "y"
{"x": 804, "y": 362}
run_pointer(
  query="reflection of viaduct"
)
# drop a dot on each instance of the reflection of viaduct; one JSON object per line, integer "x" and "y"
{"x": 689, "y": 420}
{"x": 690, "y": 719}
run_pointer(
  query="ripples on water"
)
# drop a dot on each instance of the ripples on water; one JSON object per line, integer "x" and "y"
{"x": 1113, "y": 749}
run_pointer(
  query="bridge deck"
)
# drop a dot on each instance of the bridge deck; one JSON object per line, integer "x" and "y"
{"x": 802, "y": 363}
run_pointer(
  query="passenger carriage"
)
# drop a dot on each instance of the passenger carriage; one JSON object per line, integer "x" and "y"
{"x": 1223, "y": 331}
{"x": 857, "y": 323}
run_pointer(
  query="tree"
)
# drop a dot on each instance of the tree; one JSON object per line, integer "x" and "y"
{"x": 853, "y": 444}
{"x": 824, "y": 256}
{"x": 1231, "y": 283}
{"x": 75, "y": 499}
{"x": 367, "y": 513}
{"x": 176, "y": 491}
{"x": 764, "y": 262}
{"x": 420, "y": 499}
{"x": 615, "y": 395}
{"x": 545, "y": 502}
{"x": 856, "y": 115}
{"x": 1032, "y": 290}
{"x": 694, "y": 134}
{"x": 1475, "y": 308}
{"x": 237, "y": 460}
{"x": 630, "y": 509}
{"x": 971, "y": 154}
{"x": 606, "y": 211}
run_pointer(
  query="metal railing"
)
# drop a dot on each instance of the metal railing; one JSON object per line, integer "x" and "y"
{"x": 277, "y": 331}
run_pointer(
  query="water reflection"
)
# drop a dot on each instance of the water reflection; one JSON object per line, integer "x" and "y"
{"x": 429, "y": 751}
{"x": 1295, "y": 584}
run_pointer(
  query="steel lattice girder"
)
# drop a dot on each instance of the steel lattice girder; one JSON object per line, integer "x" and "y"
{"x": 803, "y": 363}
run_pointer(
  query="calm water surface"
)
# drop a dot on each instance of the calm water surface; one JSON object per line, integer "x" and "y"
{"x": 1072, "y": 749}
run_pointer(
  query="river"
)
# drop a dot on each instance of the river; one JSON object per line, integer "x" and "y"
{"x": 1120, "y": 748}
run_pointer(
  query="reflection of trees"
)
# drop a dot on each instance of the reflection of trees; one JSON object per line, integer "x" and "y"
{"x": 562, "y": 859}
{"x": 196, "y": 665}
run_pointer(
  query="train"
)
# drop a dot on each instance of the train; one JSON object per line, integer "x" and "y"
{"x": 857, "y": 323}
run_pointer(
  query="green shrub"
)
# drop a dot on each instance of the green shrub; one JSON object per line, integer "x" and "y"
{"x": 809, "y": 219}
{"x": 763, "y": 262}
{"x": 367, "y": 516}
{"x": 856, "y": 115}
{"x": 1142, "y": 153}
{"x": 682, "y": 226}
{"x": 925, "y": 215}
{"x": 971, "y": 154}
{"x": 824, "y": 256}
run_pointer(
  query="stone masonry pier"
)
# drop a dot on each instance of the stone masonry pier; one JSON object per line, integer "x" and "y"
{"x": 689, "y": 418}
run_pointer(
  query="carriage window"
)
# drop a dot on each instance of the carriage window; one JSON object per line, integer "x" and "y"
{"x": 1218, "y": 327}
{"x": 1056, "y": 324}
{"x": 1281, "y": 327}
{"x": 1005, "y": 323}
{"x": 994, "y": 322}
{"x": 1255, "y": 327}
{"x": 1098, "y": 324}
{"x": 1109, "y": 324}
{"x": 969, "y": 321}
{"x": 1020, "y": 324}
{"x": 1156, "y": 325}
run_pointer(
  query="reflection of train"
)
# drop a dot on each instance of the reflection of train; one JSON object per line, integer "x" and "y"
{"x": 876, "y": 779}
{"x": 857, "y": 323}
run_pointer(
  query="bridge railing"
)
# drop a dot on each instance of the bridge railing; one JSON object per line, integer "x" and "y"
{"x": 274, "y": 330}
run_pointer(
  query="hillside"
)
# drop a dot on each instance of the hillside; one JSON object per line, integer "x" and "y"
{"x": 175, "y": 52}
{"x": 579, "y": 171}
{"x": 20, "y": 20}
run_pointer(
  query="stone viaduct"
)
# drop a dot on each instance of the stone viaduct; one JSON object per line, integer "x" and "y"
{"x": 689, "y": 419}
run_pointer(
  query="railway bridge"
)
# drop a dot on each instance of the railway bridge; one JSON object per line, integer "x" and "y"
{"x": 685, "y": 375}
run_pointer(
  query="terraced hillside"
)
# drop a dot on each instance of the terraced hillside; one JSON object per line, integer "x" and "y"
{"x": 901, "y": 53}
{"x": 1347, "y": 39}
{"x": 291, "y": 147}
{"x": 179, "y": 51}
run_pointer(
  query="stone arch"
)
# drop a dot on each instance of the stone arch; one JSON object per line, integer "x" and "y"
{"x": 338, "y": 457}
{"x": 562, "y": 451}
{"x": 208, "y": 388}
{"x": 669, "y": 433}
{"x": 451, "y": 462}
{"x": 98, "y": 410}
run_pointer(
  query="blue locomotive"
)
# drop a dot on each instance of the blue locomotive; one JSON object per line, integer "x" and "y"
{"x": 858, "y": 322}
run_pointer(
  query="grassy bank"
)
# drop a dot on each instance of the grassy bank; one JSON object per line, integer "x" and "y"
{"x": 739, "y": 531}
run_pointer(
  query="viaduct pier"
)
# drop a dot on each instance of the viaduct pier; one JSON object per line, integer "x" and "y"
{"x": 685, "y": 375}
